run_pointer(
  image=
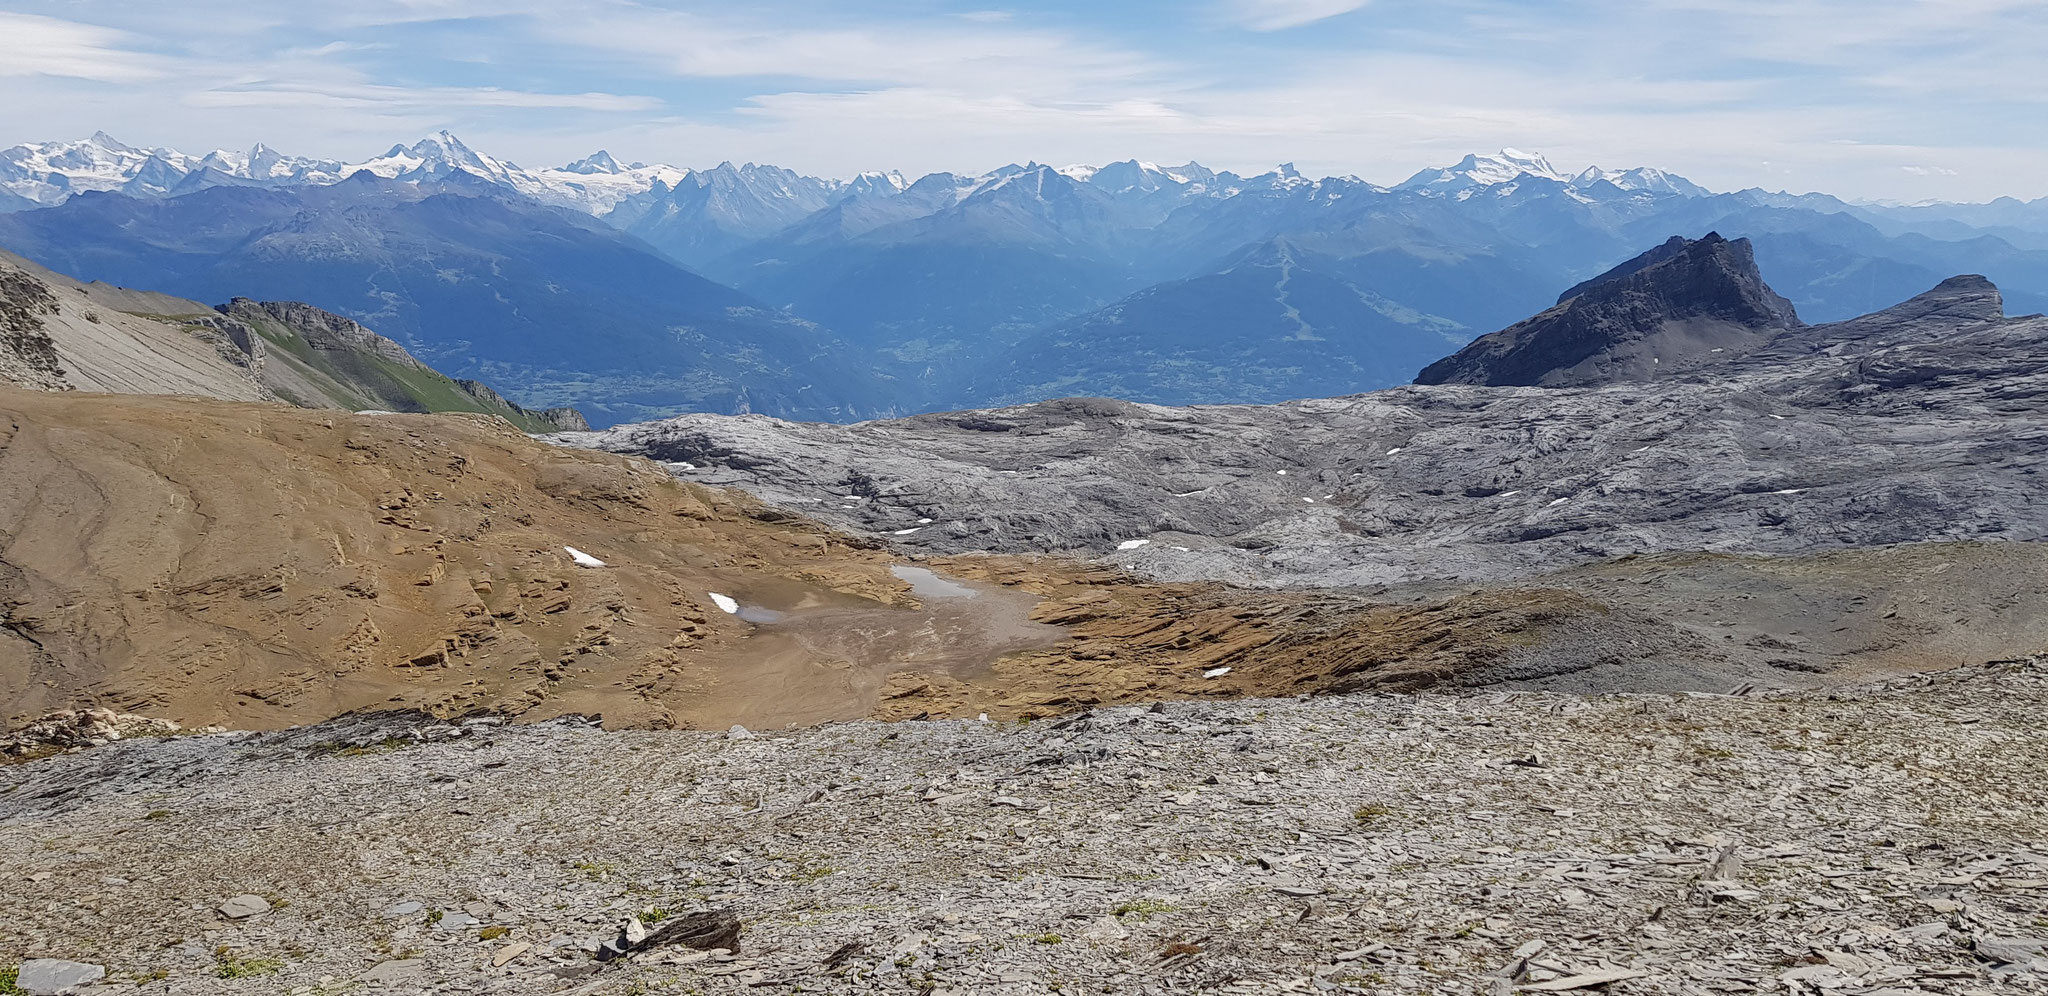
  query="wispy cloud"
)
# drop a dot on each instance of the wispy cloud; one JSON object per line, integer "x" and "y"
{"x": 985, "y": 54}
{"x": 307, "y": 94}
{"x": 1277, "y": 15}
{"x": 32, "y": 45}
{"x": 1856, "y": 97}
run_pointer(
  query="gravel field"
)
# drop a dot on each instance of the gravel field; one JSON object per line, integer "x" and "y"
{"x": 1877, "y": 839}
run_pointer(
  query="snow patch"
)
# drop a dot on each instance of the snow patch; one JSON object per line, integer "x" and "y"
{"x": 726, "y": 603}
{"x": 1132, "y": 544}
{"x": 583, "y": 559}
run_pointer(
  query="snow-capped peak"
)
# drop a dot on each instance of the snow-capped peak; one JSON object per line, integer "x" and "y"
{"x": 1643, "y": 179}
{"x": 435, "y": 155}
{"x": 112, "y": 144}
{"x": 597, "y": 162}
{"x": 873, "y": 182}
{"x": 1505, "y": 166}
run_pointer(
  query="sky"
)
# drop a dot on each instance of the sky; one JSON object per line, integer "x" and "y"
{"x": 1903, "y": 100}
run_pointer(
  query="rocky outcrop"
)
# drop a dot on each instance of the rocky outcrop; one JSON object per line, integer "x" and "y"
{"x": 319, "y": 359}
{"x": 74, "y": 729}
{"x": 552, "y": 419}
{"x": 323, "y": 330}
{"x": 28, "y": 356}
{"x": 1924, "y": 422}
{"x": 1952, "y": 310}
{"x": 60, "y": 334}
{"x": 1675, "y": 308}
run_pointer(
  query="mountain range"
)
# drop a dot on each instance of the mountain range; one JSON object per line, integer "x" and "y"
{"x": 633, "y": 290}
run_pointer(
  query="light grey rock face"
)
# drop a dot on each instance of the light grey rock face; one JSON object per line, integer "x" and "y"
{"x": 1928, "y": 421}
{"x": 52, "y": 976}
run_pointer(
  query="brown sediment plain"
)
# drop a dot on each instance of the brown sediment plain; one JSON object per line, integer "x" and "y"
{"x": 258, "y": 566}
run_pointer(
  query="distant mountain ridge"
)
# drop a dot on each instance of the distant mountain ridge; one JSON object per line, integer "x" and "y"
{"x": 879, "y": 295}
{"x": 546, "y": 304}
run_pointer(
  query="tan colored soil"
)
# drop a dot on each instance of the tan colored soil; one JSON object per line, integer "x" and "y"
{"x": 257, "y": 566}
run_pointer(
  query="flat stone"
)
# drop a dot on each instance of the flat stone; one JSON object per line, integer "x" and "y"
{"x": 2011, "y": 950}
{"x": 51, "y": 976}
{"x": 1586, "y": 980}
{"x": 244, "y": 906}
{"x": 394, "y": 971}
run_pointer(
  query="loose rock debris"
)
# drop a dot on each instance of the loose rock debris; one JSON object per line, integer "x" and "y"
{"x": 1874, "y": 840}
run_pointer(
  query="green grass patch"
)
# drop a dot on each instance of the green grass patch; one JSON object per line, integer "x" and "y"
{"x": 237, "y": 967}
{"x": 1142, "y": 909}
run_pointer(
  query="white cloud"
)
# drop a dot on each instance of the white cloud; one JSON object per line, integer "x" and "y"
{"x": 31, "y": 45}
{"x": 976, "y": 55}
{"x": 373, "y": 96}
{"x": 1847, "y": 96}
{"x": 1276, "y": 15}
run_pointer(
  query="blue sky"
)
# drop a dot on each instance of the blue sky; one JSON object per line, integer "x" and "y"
{"x": 1894, "y": 99}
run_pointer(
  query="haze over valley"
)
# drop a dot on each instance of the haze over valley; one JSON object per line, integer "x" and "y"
{"x": 631, "y": 291}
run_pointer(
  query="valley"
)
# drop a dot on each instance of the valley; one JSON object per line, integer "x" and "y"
{"x": 1298, "y": 593}
{"x": 634, "y": 291}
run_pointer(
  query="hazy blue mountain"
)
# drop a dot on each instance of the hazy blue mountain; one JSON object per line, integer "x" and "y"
{"x": 1280, "y": 322}
{"x": 553, "y": 308}
{"x": 936, "y": 277}
{"x": 709, "y": 213}
{"x": 954, "y": 285}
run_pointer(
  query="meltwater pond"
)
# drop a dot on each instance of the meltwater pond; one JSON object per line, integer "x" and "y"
{"x": 818, "y": 656}
{"x": 925, "y": 584}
